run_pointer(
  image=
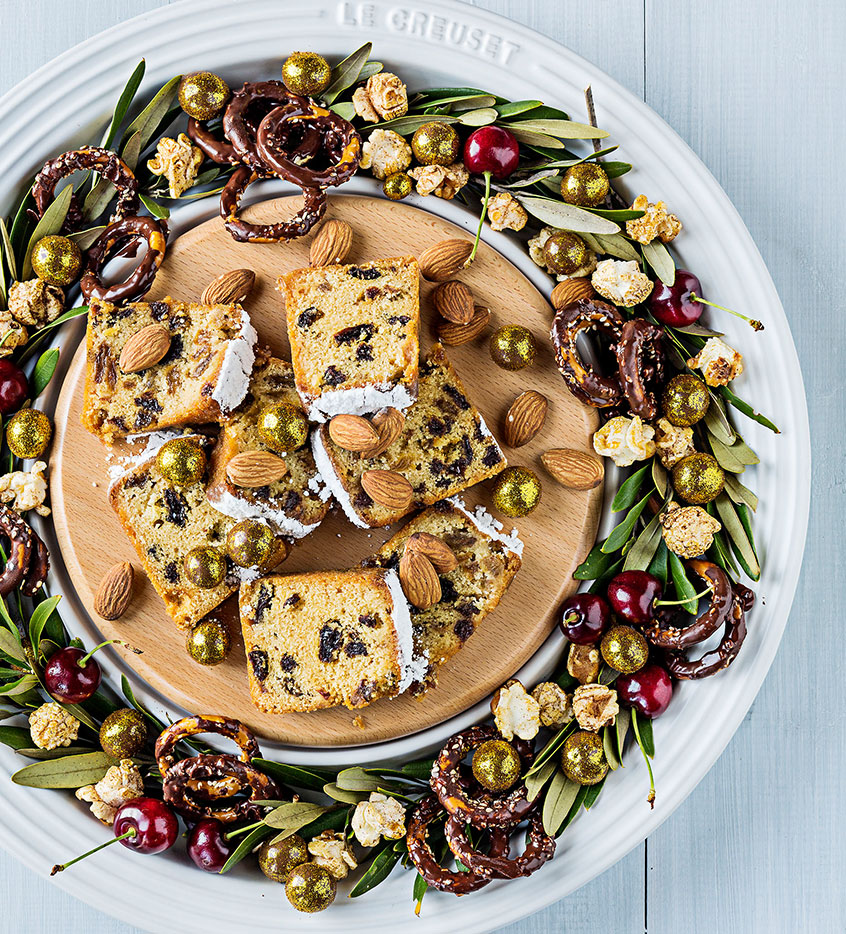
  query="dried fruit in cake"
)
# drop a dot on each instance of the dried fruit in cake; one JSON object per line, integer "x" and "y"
{"x": 203, "y": 372}
{"x": 328, "y": 638}
{"x": 354, "y": 335}
{"x": 443, "y": 448}
{"x": 487, "y": 559}
{"x": 296, "y": 502}
{"x": 166, "y": 523}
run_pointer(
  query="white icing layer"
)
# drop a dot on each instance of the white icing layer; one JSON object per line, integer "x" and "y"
{"x": 412, "y": 669}
{"x": 237, "y": 508}
{"x": 233, "y": 381}
{"x": 489, "y": 526}
{"x": 333, "y": 481}
{"x": 358, "y": 400}
{"x": 155, "y": 441}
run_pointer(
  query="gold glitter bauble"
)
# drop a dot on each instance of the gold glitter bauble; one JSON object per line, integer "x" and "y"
{"x": 181, "y": 461}
{"x": 28, "y": 433}
{"x": 585, "y": 185}
{"x": 397, "y": 186}
{"x": 624, "y": 649}
{"x": 203, "y": 95}
{"x": 251, "y": 544}
{"x": 698, "y": 478}
{"x": 583, "y": 758}
{"x": 282, "y": 426}
{"x": 685, "y": 400}
{"x": 513, "y": 347}
{"x": 306, "y": 73}
{"x": 56, "y": 260}
{"x": 205, "y": 566}
{"x": 496, "y": 765}
{"x": 276, "y": 860}
{"x": 208, "y": 642}
{"x": 565, "y": 253}
{"x": 123, "y": 733}
{"x": 517, "y": 492}
{"x": 310, "y": 887}
{"x": 435, "y": 144}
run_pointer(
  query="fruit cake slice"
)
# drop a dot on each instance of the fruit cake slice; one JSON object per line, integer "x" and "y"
{"x": 328, "y": 638}
{"x": 354, "y": 335}
{"x": 164, "y": 523}
{"x": 444, "y": 447}
{"x": 204, "y": 371}
{"x": 488, "y": 558}
{"x": 297, "y": 503}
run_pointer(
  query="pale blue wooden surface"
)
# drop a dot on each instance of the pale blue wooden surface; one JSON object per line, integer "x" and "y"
{"x": 756, "y": 89}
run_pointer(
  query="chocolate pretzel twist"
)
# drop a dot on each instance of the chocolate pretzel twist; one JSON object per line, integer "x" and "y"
{"x": 28, "y": 561}
{"x": 140, "y": 280}
{"x": 540, "y": 848}
{"x": 192, "y": 726}
{"x": 640, "y": 362}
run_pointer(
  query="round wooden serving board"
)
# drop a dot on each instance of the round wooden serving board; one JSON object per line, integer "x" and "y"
{"x": 557, "y": 535}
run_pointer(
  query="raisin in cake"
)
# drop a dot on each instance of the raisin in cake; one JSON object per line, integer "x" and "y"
{"x": 323, "y": 639}
{"x": 488, "y": 559}
{"x": 444, "y": 447}
{"x": 164, "y": 522}
{"x": 204, "y": 373}
{"x": 354, "y": 335}
{"x": 295, "y": 504}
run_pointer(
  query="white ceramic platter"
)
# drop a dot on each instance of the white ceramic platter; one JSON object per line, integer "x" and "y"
{"x": 432, "y": 43}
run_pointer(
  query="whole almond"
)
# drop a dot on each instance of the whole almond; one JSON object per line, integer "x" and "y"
{"x": 353, "y": 433}
{"x": 144, "y": 348}
{"x": 388, "y": 424}
{"x": 577, "y": 470}
{"x": 331, "y": 244}
{"x": 453, "y": 334}
{"x": 443, "y": 260}
{"x": 387, "y": 488}
{"x": 525, "y": 418}
{"x": 229, "y": 288}
{"x": 454, "y": 301}
{"x": 115, "y": 590}
{"x": 419, "y": 580}
{"x": 438, "y": 552}
{"x": 572, "y": 290}
{"x": 252, "y": 469}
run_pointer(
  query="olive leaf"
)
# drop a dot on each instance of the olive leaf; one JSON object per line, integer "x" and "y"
{"x": 617, "y": 214}
{"x": 515, "y": 108}
{"x": 339, "y": 794}
{"x": 658, "y": 564}
{"x": 85, "y": 238}
{"x": 420, "y": 768}
{"x": 60, "y": 752}
{"x": 533, "y": 138}
{"x": 127, "y": 95}
{"x": 612, "y": 245}
{"x": 71, "y": 772}
{"x": 82, "y": 715}
{"x": 565, "y": 216}
{"x": 726, "y": 456}
{"x": 294, "y": 775}
{"x": 621, "y": 729}
{"x": 646, "y": 544}
{"x": 551, "y": 747}
{"x": 15, "y": 737}
{"x": 44, "y": 370}
{"x": 294, "y": 814}
{"x": 699, "y": 330}
{"x": 369, "y": 69}
{"x": 717, "y": 422}
{"x": 739, "y": 534}
{"x": 616, "y": 169}
{"x": 720, "y": 550}
{"x": 418, "y": 891}
{"x": 441, "y": 94}
{"x": 530, "y": 180}
{"x": 406, "y": 125}
{"x": 592, "y": 794}
{"x": 481, "y": 117}
{"x": 147, "y": 123}
{"x": 39, "y": 618}
{"x": 559, "y": 129}
{"x": 740, "y": 493}
{"x": 245, "y": 846}
{"x": 658, "y": 257}
{"x": 10, "y": 645}
{"x": 356, "y": 779}
{"x": 19, "y": 686}
{"x": 590, "y": 157}
{"x": 344, "y": 109}
{"x": 534, "y": 783}
{"x": 346, "y": 73}
{"x": 626, "y": 496}
{"x": 609, "y": 746}
{"x": 595, "y": 565}
{"x": 643, "y": 729}
{"x": 557, "y": 803}
{"x": 159, "y": 211}
{"x": 334, "y": 819}
{"x": 21, "y": 224}
{"x": 746, "y": 409}
{"x": 378, "y": 870}
{"x": 621, "y": 532}
{"x": 660, "y": 477}
{"x": 50, "y": 223}
{"x": 479, "y": 102}
{"x": 600, "y": 585}
{"x": 8, "y": 252}
{"x": 684, "y": 589}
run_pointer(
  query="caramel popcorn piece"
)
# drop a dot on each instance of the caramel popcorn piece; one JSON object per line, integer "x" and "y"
{"x": 22, "y": 490}
{"x": 506, "y": 213}
{"x": 385, "y": 152}
{"x": 536, "y": 255}
{"x": 178, "y": 160}
{"x": 383, "y": 97}
{"x": 621, "y": 282}
{"x": 672, "y": 442}
{"x": 330, "y": 850}
{"x": 443, "y": 181}
{"x": 656, "y": 222}
{"x": 719, "y": 362}
{"x": 555, "y": 707}
{"x": 625, "y": 440}
{"x": 52, "y": 726}
{"x": 120, "y": 784}
{"x": 12, "y": 334}
{"x": 515, "y": 712}
{"x": 583, "y": 663}
{"x": 688, "y": 531}
{"x": 35, "y": 302}
{"x": 381, "y": 816}
{"x": 594, "y": 706}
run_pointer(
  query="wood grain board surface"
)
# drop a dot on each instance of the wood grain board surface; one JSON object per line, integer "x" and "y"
{"x": 556, "y": 536}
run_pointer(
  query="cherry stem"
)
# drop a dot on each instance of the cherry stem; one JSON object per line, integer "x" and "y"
{"x": 85, "y": 658}
{"x": 234, "y": 833}
{"x": 132, "y": 832}
{"x": 481, "y": 220}
{"x": 755, "y": 325}
{"x": 651, "y": 796}
{"x": 696, "y": 596}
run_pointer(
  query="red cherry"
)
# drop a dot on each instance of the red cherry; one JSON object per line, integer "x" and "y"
{"x": 14, "y": 388}
{"x": 491, "y": 149}
{"x": 150, "y": 824}
{"x": 649, "y": 690}
{"x": 632, "y": 595}
{"x": 207, "y": 845}
{"x": 68, "y": 680}
{"x": 584, "y": 617}
{"x": 672, "y": 304}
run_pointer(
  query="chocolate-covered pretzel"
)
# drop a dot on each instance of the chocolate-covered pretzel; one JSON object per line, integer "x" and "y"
{"x": 640, "y": 362}
{"x": 140, "y": 280}
{"x": 28, "y": 561}
{"x": 192, "y": 726}
{"x": 661, "y": 633}
{"x": 230, "y": 200}
{"x": 540, "y": 847}
{"x": 484, "y": 810}
{"x": 217, "y": 149}
{"x": 710, "y": 663}
{"x": 571, "y": 321}
{"x": 239, "y": 119}
{"x": 190, "y": 786}
{"x": 103, "y": 162}
{"x": 420, "y": 852}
